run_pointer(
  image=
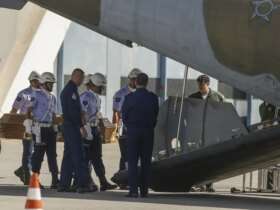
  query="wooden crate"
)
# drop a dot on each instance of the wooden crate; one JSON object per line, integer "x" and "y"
{"x": 58, "y": 120}
{"x": 11, "y": 125}
{"x": 108, "y": 131}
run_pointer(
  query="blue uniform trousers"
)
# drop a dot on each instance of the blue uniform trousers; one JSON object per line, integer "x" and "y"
{"x": 140, "y": 146}
{"x": 93, "y": 151}
{"x": 48, "y": 137}
{"x": 123, "y": 151}
{"x": 74, "y": 161}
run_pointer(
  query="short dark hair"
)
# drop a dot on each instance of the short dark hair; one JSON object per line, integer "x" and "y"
{"x": 142, "y": 80}
{"x": 203, "y": 79}
{"x": 78, "y": 70}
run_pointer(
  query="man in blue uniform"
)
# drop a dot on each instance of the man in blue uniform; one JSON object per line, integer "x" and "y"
{"x": 20, "y": 105}
{"x": 91, "y": 109}
{"x": 117, "y": 117}
{"x": 139, "y": 114}
{"x": 42, "y": 112}
{"x": 73, "y": 158}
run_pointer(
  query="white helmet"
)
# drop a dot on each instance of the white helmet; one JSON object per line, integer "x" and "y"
{"x": 34, "y": 76}
{"x": 134, "y": 73}
{"x": 87, "y": 79}
{"x": 98, "y": 79}
{"x": 47, "y": 77}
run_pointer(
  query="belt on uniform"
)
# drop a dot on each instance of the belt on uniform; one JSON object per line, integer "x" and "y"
{"x": 44, "y": 124}
{"x": 93, "y": 125}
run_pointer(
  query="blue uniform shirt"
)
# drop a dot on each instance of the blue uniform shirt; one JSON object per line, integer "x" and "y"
{"x": 140, "y": 109}
{"x": 91, "y": 105}
{"x": 24, "y": 99}
{"x": 71, "y": 106}
{"x": 43, "y": 106}
{"x": 119, "y": 98}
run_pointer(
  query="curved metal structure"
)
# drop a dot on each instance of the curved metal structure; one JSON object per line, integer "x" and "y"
{"x": 235, "y": 41}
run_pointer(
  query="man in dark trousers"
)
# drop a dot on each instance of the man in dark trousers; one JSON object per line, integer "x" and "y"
{"x": 73, "y": 158}
{"x": 91, "y": 110}
{"x": 41, "y": 112}
{"x": 20, "y": 105}
{"x": 139, "y": 112}
{"x": 117, "y": 118}
{"x": 206, "y": 93}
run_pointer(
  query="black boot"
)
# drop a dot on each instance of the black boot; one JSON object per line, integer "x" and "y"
{"x": 27, "y": 176}
{"x": 209, "y": 188}
{"x": 42, "y": 187}
{"x": 93, "y": 185}
{"x": 20, "y": 174}
{"x": 105, "y": 185}
{"x": 55, "y": 181}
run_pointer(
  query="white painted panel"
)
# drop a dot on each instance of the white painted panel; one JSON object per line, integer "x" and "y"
{"x": 26, "y": 27}
{"x": 85, "y": 49}
{"x": 8, "y": 26}
{"x": 41, "y": 54}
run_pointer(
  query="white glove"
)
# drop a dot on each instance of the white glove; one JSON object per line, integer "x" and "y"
{"x": 99, "y": 115}
{"x": 275, "y": 123}
{"x": 55, "y": 128}
{"x": 89, "y": 135}
{"x": 28, "y": 125}
{"x": 117, "y": 130}
{"x": 36, "y": 130}
{"x": 260, "y": 127}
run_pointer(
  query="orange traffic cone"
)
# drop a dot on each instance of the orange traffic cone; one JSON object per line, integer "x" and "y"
{"x": 34, "y": 201}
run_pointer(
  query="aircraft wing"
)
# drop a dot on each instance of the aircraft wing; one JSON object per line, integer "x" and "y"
{"x": 235, "y": 41}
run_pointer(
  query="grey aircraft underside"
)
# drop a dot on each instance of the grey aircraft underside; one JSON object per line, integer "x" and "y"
{"x": 235, "y": 41}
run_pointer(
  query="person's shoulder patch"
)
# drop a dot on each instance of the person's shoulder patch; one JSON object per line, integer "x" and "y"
{"x": 117, "y": 99}
{"x": 19, "y": 99}
{"x": 85, "y": 103}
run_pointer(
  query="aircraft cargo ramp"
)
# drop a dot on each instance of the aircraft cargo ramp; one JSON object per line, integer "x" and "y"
{"x": 218, "y": 162}
{"x": 210, "y": 157}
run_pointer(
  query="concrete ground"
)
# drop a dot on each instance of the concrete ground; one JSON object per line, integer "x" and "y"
{"x": 12, "y": 193}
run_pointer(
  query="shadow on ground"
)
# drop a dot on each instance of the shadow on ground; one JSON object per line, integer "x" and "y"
{"x": 188, "y": 199}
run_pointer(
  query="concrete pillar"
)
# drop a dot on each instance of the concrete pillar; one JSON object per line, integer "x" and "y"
{"x": 113, "y": 67}
{"x": 27, "y": 25}
{"x": 40, "y": 55}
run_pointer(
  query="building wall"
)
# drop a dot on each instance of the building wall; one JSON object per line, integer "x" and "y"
{"x": 94, "y": 53}
{"x": 17, "y": 31}
{"x": 31, "y": 43}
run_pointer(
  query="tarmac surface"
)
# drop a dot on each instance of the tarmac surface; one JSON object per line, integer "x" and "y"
{"x": 12, "y": 193}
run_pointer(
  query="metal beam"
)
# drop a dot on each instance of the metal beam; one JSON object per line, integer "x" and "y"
{"x": 162, "y": 78}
